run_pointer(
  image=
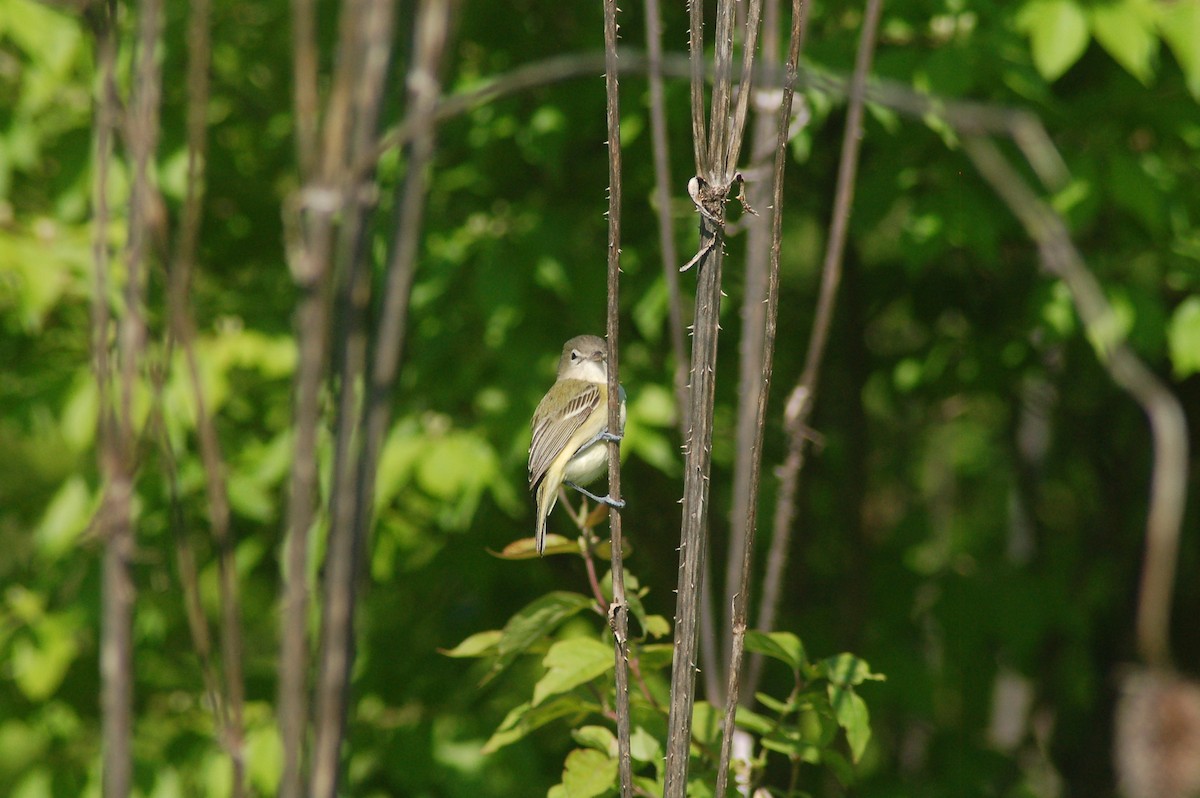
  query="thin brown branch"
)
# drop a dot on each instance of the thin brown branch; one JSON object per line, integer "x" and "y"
{"x": 306, "y": 107}
{"x": 182, "y": 329}
{"x": 754, "y": 317}
{"x": 1168, "y": 424}
{"x": 696, "y": 71}
{"x": 1021, "y": 126}
{"x": 119, "y": 460}
{"x": 843, "y": 203}
{"x": 113, "y": 521}
{"x": 432, "y": 32}
{"x": 619, "y": 611}
{"x": 189, "y": 579}
{"x": 745, "y": 89}
{"x": 370, "y": 31}
{"x": 800, "y": 402}
{"x": 662, "y": 194}
{"x": 307, "y": 225}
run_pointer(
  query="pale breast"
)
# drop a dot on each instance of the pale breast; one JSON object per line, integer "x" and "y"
{"x": 588, "y": 464}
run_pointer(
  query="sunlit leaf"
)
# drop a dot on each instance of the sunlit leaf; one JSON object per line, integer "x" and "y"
{"x": 1179, "y": 23}
{"x": 1126, "y": 30}
{"x": 570, "y": 663}
{"x": 644, "y": 746}
{"x": 534, "y": 622}
{"x": 847, "y": 670}
{"x": 599, "y": 737}
{"x": 480, "y": 644}
{"x": 66, "y": 516}
{"x": 1183, "y": 337}
{"x": 1058, "y": 34}
{"x": 783, "y": 646}
{"x": 523, "y": 719}
{"x": 588, "y": 773}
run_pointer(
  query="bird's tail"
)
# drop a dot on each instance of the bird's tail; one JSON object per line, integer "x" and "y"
{"x": 546, "y": 497}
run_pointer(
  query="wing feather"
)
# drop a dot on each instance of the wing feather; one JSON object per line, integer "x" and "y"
{"x": 552, "y": 432}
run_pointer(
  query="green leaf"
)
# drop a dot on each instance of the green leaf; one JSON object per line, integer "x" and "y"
{"x": 655, "y": 656}
{"x": 67, "y": 515}
{"x": 751, "y": 721}
{"x": 598, "y": 737}
{"x": 535, "y": 621}
{"x": 851, "y": 713}
{"x": 846, "y": 670}
{"x": 525, "y": 718}
{"x": 1179, "y": 23}
{"x": 645, "y": 747}
{"x": 570, "y": 663}
{"x": 480, "y": 644}
{"x": 783, "y": 646}
{"x": 588, "y": 773}
{"x": 1183, "y": 337}
{"x": 706, "y": 723}
{"x": 774, "y": 704}
{"x": 1126, "y": 30}
{"x": 1058, "y": 34}
{"x": 657, "y": 626}
{"x": 39, "y": 662}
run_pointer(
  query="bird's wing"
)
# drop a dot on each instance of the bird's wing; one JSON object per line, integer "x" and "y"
{"x": 552, "y": 433}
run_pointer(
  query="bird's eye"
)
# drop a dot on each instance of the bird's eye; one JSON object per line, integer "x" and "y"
{"x": 574, "y": 354}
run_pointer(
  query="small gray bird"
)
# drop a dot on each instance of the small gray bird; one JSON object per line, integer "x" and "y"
{"x": 570, "y": 428}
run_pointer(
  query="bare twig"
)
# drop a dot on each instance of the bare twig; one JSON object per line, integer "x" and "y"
{"x": 1168, "y": 424}
{"x": 619, "y": 611}
{"x": 662, "y": 194}
{"x": 754, "y": 315}
{"x": 183, "y": 330}
{"x": 967, "y": 117}
{"x": 307, "y": 232}
{"x": 119, "y": 455}
{"x": 709, "y": 189}
{"x": 113, "y": 521}
{"x": 369, "y": 33}
{"x": 741, "y": 598}
{"x": 696, "y": 70}
{"x": 800, "y": 401}
{"x": 305, "y": 104}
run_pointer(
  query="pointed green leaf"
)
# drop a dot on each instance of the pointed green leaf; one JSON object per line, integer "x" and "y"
{"x": 851, "y": 713}
{"x": 534, "y": 622}
{"x": 570, "y": 663}
{"x": 783, "y": 646}
{"x": 751, "y": 721}
{"x": 846, "y": 670}
{"x": 1179, "y": 23}
{"x": 1126, "y": 31}
{"x": 1058, "y": 34}
{"x": 774, "y": 704}
{"x": 524, "y": 718}
{"x": 480, "y": 644}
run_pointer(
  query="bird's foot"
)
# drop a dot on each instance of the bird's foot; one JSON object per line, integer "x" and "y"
{"x": 610, "y": 501}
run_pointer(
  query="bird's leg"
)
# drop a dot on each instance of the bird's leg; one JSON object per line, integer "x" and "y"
{"x": 610, "y": 501}
{"x": 602, "y": 435}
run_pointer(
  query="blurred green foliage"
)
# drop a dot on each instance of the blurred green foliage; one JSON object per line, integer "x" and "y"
{"x": 970, "y": 524}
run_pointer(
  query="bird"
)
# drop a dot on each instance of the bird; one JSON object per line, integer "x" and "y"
{"x": 570, "y": 429}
